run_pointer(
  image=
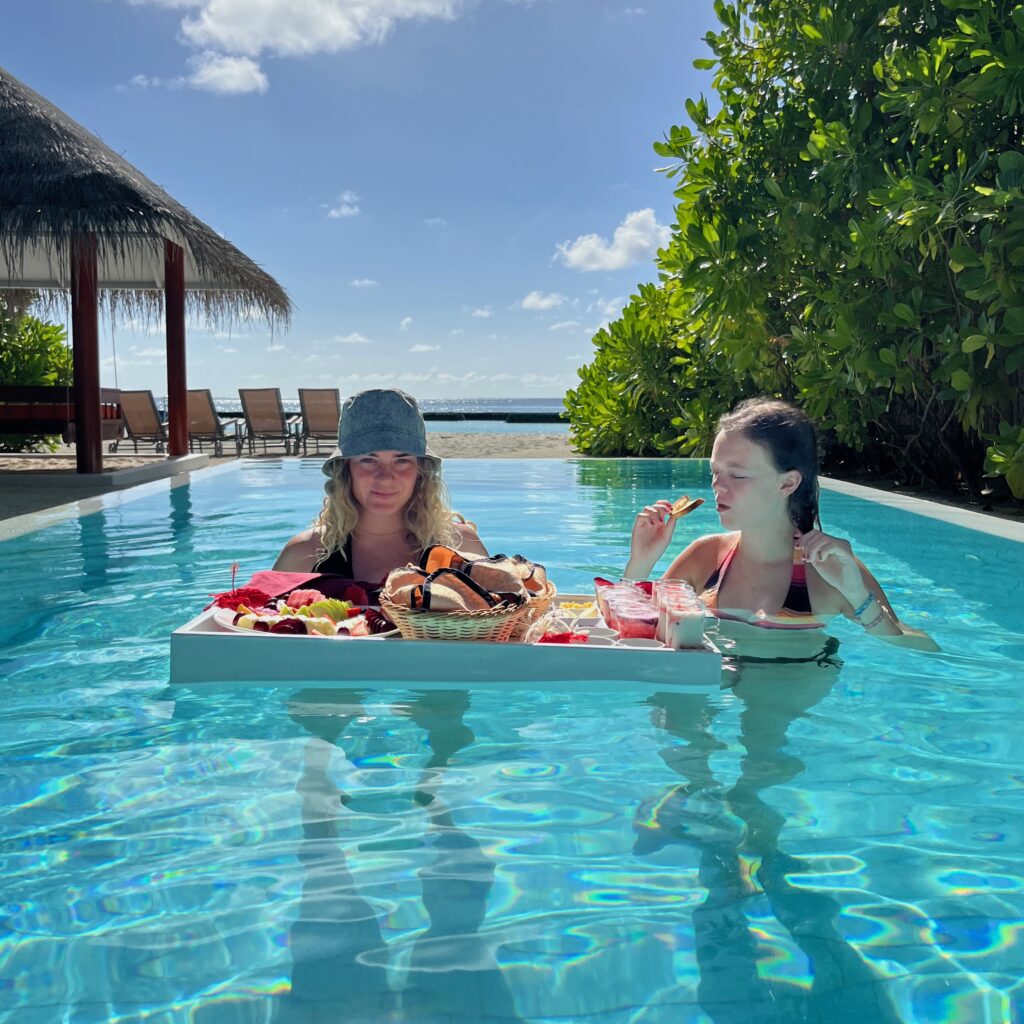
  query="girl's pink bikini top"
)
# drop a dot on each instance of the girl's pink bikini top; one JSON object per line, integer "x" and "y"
{"x": 796, "y": 610}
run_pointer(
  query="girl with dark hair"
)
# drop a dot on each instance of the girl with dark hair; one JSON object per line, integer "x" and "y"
{"x": 776, "y": 569}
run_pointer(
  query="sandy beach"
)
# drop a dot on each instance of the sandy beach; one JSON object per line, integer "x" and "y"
{"x": 500, "y": 446}
{"x": 21, "y": 494}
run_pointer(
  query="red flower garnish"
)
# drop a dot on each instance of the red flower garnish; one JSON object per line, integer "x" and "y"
{"x": 251, "y": 597}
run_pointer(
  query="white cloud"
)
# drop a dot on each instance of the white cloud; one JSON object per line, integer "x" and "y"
{"x": 637, "y": 238}
{"x": 436, "y": 375}
{"x": 483, "y": 313}
{"x": 436, "y": 222}
{"x": 347, "y": 205}
{"x": 155, "y": 82}
{"x": 456, "y": 331}
{"x": 538, "y": 380}
{"x": 245, "y": 30}
{"x": 216, "y": 72}
{"x": 539, "y": 301}
{"x": 607, "y": 308}
{"x": 144, "y": 81}
{"x": 363, "y": 282}
{"x": 425, "y": 348}
{"x": 355, "y": 338}
{"x": 565, "y": 325}
{"x": 296, "y": 28}
{"x": 405, "y": 324}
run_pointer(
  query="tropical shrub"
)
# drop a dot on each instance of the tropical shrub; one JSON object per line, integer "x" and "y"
{"x": 31, "y": 353}
{"x": 849, "y": 235}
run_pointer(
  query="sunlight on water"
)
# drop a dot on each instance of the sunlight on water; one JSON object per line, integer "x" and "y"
{"x": 839, "y": 840}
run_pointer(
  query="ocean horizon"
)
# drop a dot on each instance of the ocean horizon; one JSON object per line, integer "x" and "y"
{"x": 493, "y": 406}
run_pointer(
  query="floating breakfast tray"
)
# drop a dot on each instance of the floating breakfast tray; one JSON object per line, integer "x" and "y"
{"x": 204, "y": 652}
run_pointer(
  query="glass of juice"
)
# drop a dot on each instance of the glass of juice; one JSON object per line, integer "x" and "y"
{"x": 636, "y": 619}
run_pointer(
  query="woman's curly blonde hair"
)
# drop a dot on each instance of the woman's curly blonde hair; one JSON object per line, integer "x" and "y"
{"x": 428, "y": 514}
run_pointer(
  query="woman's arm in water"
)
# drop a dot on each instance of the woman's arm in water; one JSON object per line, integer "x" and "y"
{"x": 862, "y": 599}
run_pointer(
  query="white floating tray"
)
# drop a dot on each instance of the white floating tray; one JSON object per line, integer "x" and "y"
{"x": 203, "y": 652}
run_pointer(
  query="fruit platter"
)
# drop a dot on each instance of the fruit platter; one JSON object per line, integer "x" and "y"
{"x": 294, "y": 629}
{"x": 305, "y": 613}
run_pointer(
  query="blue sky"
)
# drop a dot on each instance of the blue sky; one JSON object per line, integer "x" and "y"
{"x": 455, "y": 193}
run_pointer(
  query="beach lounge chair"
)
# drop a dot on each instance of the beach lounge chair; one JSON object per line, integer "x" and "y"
{"x": 265, "y": 420}
{"x": 142, "y": 423}
{"x": 205, "y": 426}
{"x": 321, "y": 410}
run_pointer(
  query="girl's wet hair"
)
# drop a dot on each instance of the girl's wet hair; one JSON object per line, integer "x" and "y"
{"x": 789, "y": 436}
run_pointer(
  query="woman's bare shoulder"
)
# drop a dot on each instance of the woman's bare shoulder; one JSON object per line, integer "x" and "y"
{"x": 701, "y": 557}
{"x": 300, "y": 553}
{"x": 469, "y": 541}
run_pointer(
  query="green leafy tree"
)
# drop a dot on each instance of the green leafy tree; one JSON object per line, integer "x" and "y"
{"x": 31, "y": 353}
{"x": 849, "y": 235}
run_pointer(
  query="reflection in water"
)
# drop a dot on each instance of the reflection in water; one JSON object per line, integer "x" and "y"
{"x": 453, "y": 975}
{"x": 746, "y": 974}
{"x": 94, "y": 545}
{"x": 339, "y": 953}
{"x": 181, "y": 530}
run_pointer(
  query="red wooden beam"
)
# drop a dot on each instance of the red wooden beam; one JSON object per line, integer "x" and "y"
{"x": 85, "y": 334}
{"x": 177, "y": 379}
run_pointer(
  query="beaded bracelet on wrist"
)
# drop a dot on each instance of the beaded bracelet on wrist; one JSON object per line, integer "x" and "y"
{"x": 876, "y": 620}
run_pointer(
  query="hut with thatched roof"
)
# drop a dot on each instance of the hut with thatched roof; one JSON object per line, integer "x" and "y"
{"x": 77, "y": 217}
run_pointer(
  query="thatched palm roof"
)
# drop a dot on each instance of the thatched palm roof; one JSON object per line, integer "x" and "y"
{"x": 58, "y": 180}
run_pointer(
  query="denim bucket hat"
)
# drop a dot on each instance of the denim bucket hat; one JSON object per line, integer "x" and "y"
{"x": 381, "y": 420}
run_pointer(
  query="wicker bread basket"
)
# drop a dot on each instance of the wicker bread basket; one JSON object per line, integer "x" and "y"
{"x": 494, "y": 625}
{"x": 537, "y": 606}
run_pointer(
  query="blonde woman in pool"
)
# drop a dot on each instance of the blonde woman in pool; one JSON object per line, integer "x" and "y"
{"x": 385, "y": 499}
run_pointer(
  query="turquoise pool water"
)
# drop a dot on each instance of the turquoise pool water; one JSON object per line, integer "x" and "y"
{"x": 835, "y": 842}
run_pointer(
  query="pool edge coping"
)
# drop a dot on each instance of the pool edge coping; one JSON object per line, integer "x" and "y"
{"x": 995, "y": 526}
{"x": 30, "y": 522}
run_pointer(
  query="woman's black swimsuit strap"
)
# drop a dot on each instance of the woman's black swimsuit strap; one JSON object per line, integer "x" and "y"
{"x": 338, "y": 562}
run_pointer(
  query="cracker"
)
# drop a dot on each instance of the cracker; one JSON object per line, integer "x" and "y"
{"x": 683, "y": 507}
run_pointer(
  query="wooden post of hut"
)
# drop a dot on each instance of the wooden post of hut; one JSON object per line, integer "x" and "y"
{"x": 177, "y": 378}
{"x": 85, "y": 337}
